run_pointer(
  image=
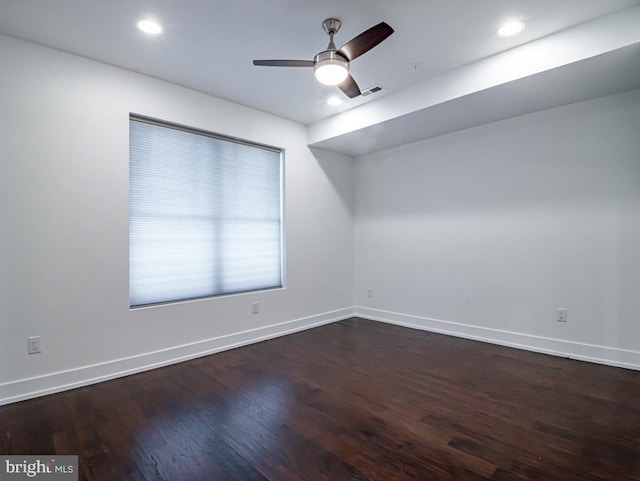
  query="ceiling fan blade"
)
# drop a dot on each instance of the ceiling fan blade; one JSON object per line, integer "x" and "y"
{"x": 349, "y": 87}
{"x": 366, "y": 41}
{"x": 283, "y": 63}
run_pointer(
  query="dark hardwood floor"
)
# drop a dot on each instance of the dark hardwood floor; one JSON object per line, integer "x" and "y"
{"x": 354, "y": 400}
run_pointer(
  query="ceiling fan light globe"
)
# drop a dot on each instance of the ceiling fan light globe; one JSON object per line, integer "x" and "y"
{"x": 331, "y": 74}
{"x": 330, "y": 68}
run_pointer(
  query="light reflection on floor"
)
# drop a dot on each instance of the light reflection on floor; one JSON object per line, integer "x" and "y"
{"x": 192, "y": 434}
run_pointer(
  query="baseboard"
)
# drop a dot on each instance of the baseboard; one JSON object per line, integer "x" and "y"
{"x": 33, "y": 387}
{"x": 573, "y": 350}
{"x": 83, "y": 376}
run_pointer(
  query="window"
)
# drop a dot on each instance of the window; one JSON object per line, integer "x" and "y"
{"x": 205, "y": 214}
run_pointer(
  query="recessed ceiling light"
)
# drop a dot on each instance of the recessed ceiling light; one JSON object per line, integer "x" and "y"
{"x": 511, "y": 28}
{"x": 334, "y": 101}
{"x": 150, "y": 26}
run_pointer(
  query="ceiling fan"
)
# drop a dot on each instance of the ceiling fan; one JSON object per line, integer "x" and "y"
{"x": 331, "y": 66}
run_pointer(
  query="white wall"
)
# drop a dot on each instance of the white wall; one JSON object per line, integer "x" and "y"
{"x": 64, "y": 217}
{"x": 483, "y": 233}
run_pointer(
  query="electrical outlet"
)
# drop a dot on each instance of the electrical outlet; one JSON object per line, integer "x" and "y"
{"x": 561, "y": 314}
{"x": 255, "y": 307}
{"x": 369, "y": 291}
{"x": 33, "y": 345}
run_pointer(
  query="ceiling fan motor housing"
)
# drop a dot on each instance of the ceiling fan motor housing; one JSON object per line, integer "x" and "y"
{"x": 330, "y": 67}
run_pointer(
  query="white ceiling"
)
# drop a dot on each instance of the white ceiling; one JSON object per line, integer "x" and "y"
{"x": 208, "y": 45}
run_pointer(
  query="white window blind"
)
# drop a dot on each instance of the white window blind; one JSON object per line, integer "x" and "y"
{"x": 205, "y": 215}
